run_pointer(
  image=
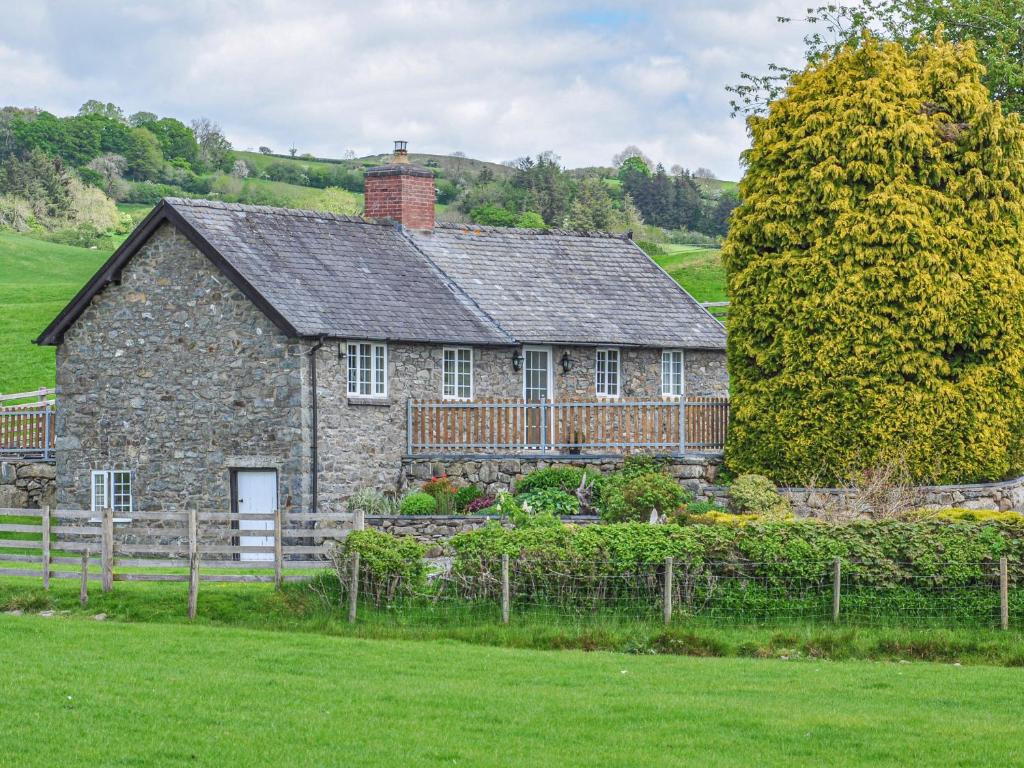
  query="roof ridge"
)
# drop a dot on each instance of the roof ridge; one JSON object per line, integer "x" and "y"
{"x": 560, "y": 231}
{"x": 298, "y": 213}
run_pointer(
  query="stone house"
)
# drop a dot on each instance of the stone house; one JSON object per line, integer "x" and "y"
{"x": 244, "y": 357}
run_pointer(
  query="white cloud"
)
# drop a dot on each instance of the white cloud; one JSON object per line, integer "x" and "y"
{"x": 495, "y": 80}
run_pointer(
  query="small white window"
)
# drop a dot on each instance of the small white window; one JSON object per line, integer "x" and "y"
{"x": 457, "y": 372}
{"x": 672, "y": 373}
{"x": 367, "y": 369}
{"x": 608, "y": 372}
{"x": 112, "y": 488}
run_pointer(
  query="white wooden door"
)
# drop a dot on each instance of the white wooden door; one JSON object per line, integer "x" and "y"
{"x": 537, "y": 389}
{"x": 257, "y": 495}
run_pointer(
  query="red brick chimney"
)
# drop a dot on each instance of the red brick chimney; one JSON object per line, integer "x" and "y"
{"x": 401, "y": 191}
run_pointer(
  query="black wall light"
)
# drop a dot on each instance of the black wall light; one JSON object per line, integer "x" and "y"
{"x": 517, "y": 360}
{"x": 566, "y": 362}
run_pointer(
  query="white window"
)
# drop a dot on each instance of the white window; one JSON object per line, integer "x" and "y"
{"x": 672, "y": 373}
{"x": 457, "y": 372}
{"x": 112, "y": 488}
{"x": 608, "y": 372}
{"x": 367, "y": 369}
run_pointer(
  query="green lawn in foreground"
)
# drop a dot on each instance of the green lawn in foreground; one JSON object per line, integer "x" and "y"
{"x": 698, "y": 270}
{"x": 83, "y": 693}
{"x": 37, "y": 279}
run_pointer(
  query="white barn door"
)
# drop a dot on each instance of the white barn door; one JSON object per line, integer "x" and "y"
{"x": 256, "y": 495}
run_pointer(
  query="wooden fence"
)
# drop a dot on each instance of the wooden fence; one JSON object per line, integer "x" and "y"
{"x": 586, "y": 427}
{"x": 188, "y": 546}
{"x": 27, "y": 424}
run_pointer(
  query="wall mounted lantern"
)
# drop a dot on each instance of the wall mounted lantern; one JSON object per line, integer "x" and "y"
{"x": 517, "y": 360}
{"x": 566, "y": 362}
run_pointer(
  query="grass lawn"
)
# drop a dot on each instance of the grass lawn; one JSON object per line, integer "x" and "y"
{"x": 83, "y": 693}
{"x": 37, "y": 279}
{"x": 698, "y": 270}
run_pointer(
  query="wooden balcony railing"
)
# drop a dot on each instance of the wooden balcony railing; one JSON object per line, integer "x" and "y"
{"x": 573, "y": 428}
{"x": 26, "y": 428}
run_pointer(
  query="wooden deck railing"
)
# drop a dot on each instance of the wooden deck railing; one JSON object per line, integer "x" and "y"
{"x": 26, "y": 428}
{"x": 573, "y": 428}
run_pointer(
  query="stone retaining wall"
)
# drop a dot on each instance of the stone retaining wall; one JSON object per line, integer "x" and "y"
{"x": 499, "y": 474}
{"x": 28, "y": 484}
{"x": 1003, "y": 496}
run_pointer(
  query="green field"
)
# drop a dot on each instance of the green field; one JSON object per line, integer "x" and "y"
{"x": 281, "y": 195}
{"x": 81, "y": 693}
{"x": 698, "y": 270}
{"x": 37, "y": 279}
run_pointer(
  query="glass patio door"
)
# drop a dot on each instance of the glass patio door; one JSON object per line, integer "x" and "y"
{"x": 537, "y": 389}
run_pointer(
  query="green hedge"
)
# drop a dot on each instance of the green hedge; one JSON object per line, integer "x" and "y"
{"x": 389, "y": 566}
{"x": 874, "y": 554}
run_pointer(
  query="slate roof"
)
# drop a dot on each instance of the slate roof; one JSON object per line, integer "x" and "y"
{"x": 570, "y": 287}
{"x": 320, "y": 274}
{"x": 339, "y": 276}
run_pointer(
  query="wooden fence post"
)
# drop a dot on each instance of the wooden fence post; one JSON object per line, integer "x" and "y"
{"x": 506, "y": 595}
{"x": 107, "y": 550}
{"x": 837, "y": 573}
{"x": 1004, "y": 594}
{"x": 46, "y": 546}
{"x": 359, "y": 520}
{"x": 193, "y": 562}
{"x": 278, "y": 549}
{"x": 353, "y": 589}
{"x": 83, "y": 589}
{"x": 666, "y": 602}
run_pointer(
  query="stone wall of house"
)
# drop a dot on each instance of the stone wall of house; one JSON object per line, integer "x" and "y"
{"x": 362, "y": 441}
{"x": 27, "y": 484}
{"x": 176, "y": 375}
{"x": 705, "y": 373}
{"x": 495, "y": 475}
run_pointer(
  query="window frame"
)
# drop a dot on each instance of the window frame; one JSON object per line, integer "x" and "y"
{"x": 455, "y": 396}
{"x": 374, "y": 346}
{"x": 108, "y": 487}
{"x": 667, "y": 385}
{"x": 606, "y": 351}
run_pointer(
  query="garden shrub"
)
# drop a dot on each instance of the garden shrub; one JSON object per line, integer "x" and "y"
{"x": 565, "y": 479}
{"x": 389, "y": 566}
{"x": 464, "y": 495}
{"x": 480, "y": 506}
{"x": 631, "y": 495}
{"x": 372, "y": 502}
{"x": 418, "y": 503}
{"x": 550, "y": 501}
{"x": 874, "y": 273}
{"x": 756, "y": 494}
{"x": 443, "y": 491}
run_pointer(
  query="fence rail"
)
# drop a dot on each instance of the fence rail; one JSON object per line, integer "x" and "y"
{"x": 698, "y": 425}
{"x": 188, "y": 546}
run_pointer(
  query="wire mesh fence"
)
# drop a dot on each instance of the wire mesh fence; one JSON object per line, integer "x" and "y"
{"x": 514, "y": 590}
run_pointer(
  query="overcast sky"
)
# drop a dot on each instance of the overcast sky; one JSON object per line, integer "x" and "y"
{"x": 495, "y": 80}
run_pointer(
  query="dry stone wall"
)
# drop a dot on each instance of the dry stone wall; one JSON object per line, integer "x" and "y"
{"x": 27, "y": 484}
{"x": 496, "y": 475}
